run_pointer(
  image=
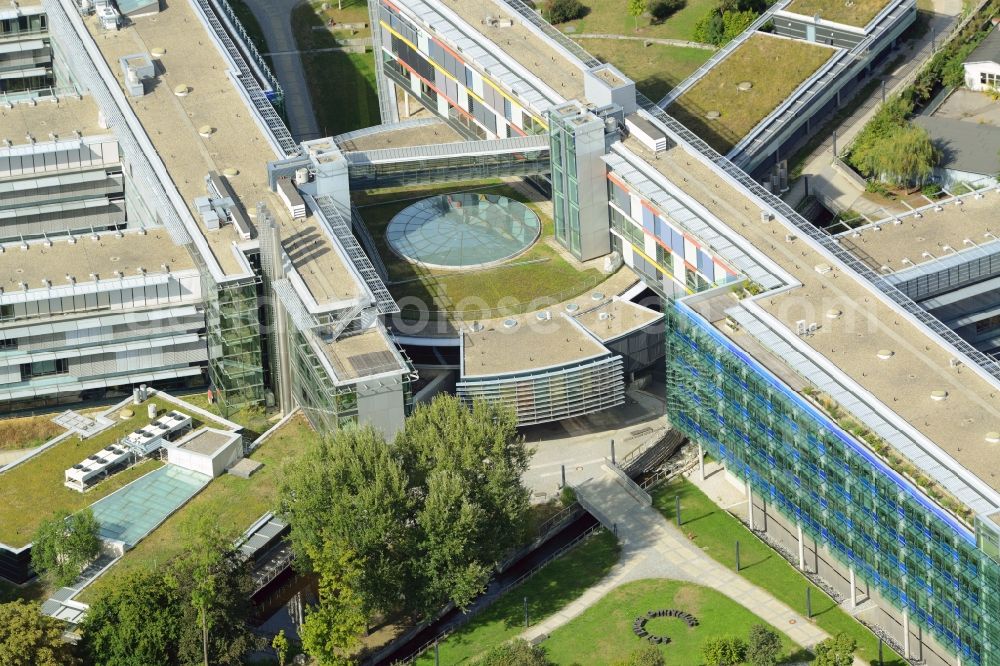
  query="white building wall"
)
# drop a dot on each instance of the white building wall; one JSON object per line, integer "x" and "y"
{"x": 976, "y": 71}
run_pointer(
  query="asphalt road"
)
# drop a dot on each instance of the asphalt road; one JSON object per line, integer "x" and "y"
{"x": 275, "y": 17}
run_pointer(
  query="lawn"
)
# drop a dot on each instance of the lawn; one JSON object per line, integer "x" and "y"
{"x": 611, "y": 17}
{"x": 552, "y": 588}
{"x": 27, "y": 432}
{"x": 236, "y": 503}
{"x": 715, "y": 531}
{"x": 857, "y": 13}
{"x": 342, "y": 85}
{"x": 656, "y": 68}
{"x": 540, "y": 271}
{"x": 603, "y": 633}
{"x": 34, "y": 491}
{"x": 253, "y": 418}
{"x": 773, "y": 65}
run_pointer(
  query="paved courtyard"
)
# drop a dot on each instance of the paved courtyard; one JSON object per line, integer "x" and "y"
{"x": 581, "y": 444}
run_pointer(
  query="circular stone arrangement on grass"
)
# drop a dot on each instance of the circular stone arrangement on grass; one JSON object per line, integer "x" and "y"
{"x": 466, "y": 230}
{"x": 639, "y": 625}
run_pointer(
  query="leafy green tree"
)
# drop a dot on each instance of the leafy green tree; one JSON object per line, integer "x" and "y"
{"x": 481, "y": 445}
{"x": 280, "y": 645}
{"x": 64, "y": 545}
{"x": 561, "y": 11}
{"x": 763, "y": 646}
{"x": 331, "y": 628}
{"x": 28, "y": 638}
{"x": 216, "y": 589}
{"x": 710, "y": 29}
{"x": 636, "y": 8}
{"x": 351, "y": 494}
{"x": 451, "y": 520}
{"x": 424, "y": 519}
{"x": 647, "y": 655}
{"x": 836, "y": 651}
{"x": 724, "y": 651}
{"x": 518, "y": 652}
{"x": 735, "y": 22}
{"x": 135, "y": 622}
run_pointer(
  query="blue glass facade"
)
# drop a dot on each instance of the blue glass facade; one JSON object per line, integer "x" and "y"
{"x": 917, "y": 555}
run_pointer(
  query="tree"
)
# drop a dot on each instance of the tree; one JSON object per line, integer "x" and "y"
{"x": 331, "y": 628}
{"x": 148, "y": 617}
{"x": 735, "y": 22}
{"x": 64, "y": 545}
{"x": 469, "y": 464}
{"x": 280, "y": 645}
{"x": 518, "y": 652}
{"x": 28, "y": 638}
{"x": 661, "y": 10}
{"x": 351, "y": 494}
{"x": 724, "y": 651}
{"x": 636, "y": 8}
{"x": 135, "y": 622}
{"x": 763, "y": 646}
{"x": 647, "y": 655}
{"x": 451, "y": 520}
{"x": 561, "y": 11}
{"x": 423, "y": 520}
{"x": 216, "y": 588}
{"x": 836, "y": 651}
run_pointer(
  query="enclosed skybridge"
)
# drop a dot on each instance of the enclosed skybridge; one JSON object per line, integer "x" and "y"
{"x": 449, "y": 162}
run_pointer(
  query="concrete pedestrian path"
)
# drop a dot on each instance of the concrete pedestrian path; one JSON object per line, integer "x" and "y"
{"x": 654, "y": 548}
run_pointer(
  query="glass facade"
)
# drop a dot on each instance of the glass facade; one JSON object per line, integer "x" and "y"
{"x": 565, "y": 186}
{"x": 235, "y": 361}
{"x": 918, "y": 557}
{"x": 551, "y": 394}
{"x": 327, "y": 406}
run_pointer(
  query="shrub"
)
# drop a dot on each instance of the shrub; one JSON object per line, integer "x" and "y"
{"x": 647, "y": 655}
{"x": 763, "y": 646}
{"x": 515, "y": 653}
{"x": 724, "y": 651}
{"x": 567, "y": 496}
{"x": 836, "y": 651}
{"x": 560, "y": 11}
{"x": 661, "y": 10}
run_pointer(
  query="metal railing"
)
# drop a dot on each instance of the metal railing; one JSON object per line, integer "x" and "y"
{"x": 246, "y": 77}
{"x": 973, "y": 357}
{"x": 259, "y": 62}
{"x": 473, "y": 612}
{"x": 340, "y": 224}
{"x": 553, "y": 33}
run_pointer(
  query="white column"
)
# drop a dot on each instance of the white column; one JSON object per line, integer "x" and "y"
{"x": 854, "y": 590}
{"x": 406, "y": 106}
{"x": 701, "y": 461}
{"x": 906, "y": 633}
{"x": 802, "y": 547}
{"x": 750, "y": 506}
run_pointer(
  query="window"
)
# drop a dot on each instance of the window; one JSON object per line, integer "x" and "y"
{"x": 44, "y": 369}
{"x": 9, "y": 343}
{"x": 6, "y": 312}
{"x": 990, "y": 79}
